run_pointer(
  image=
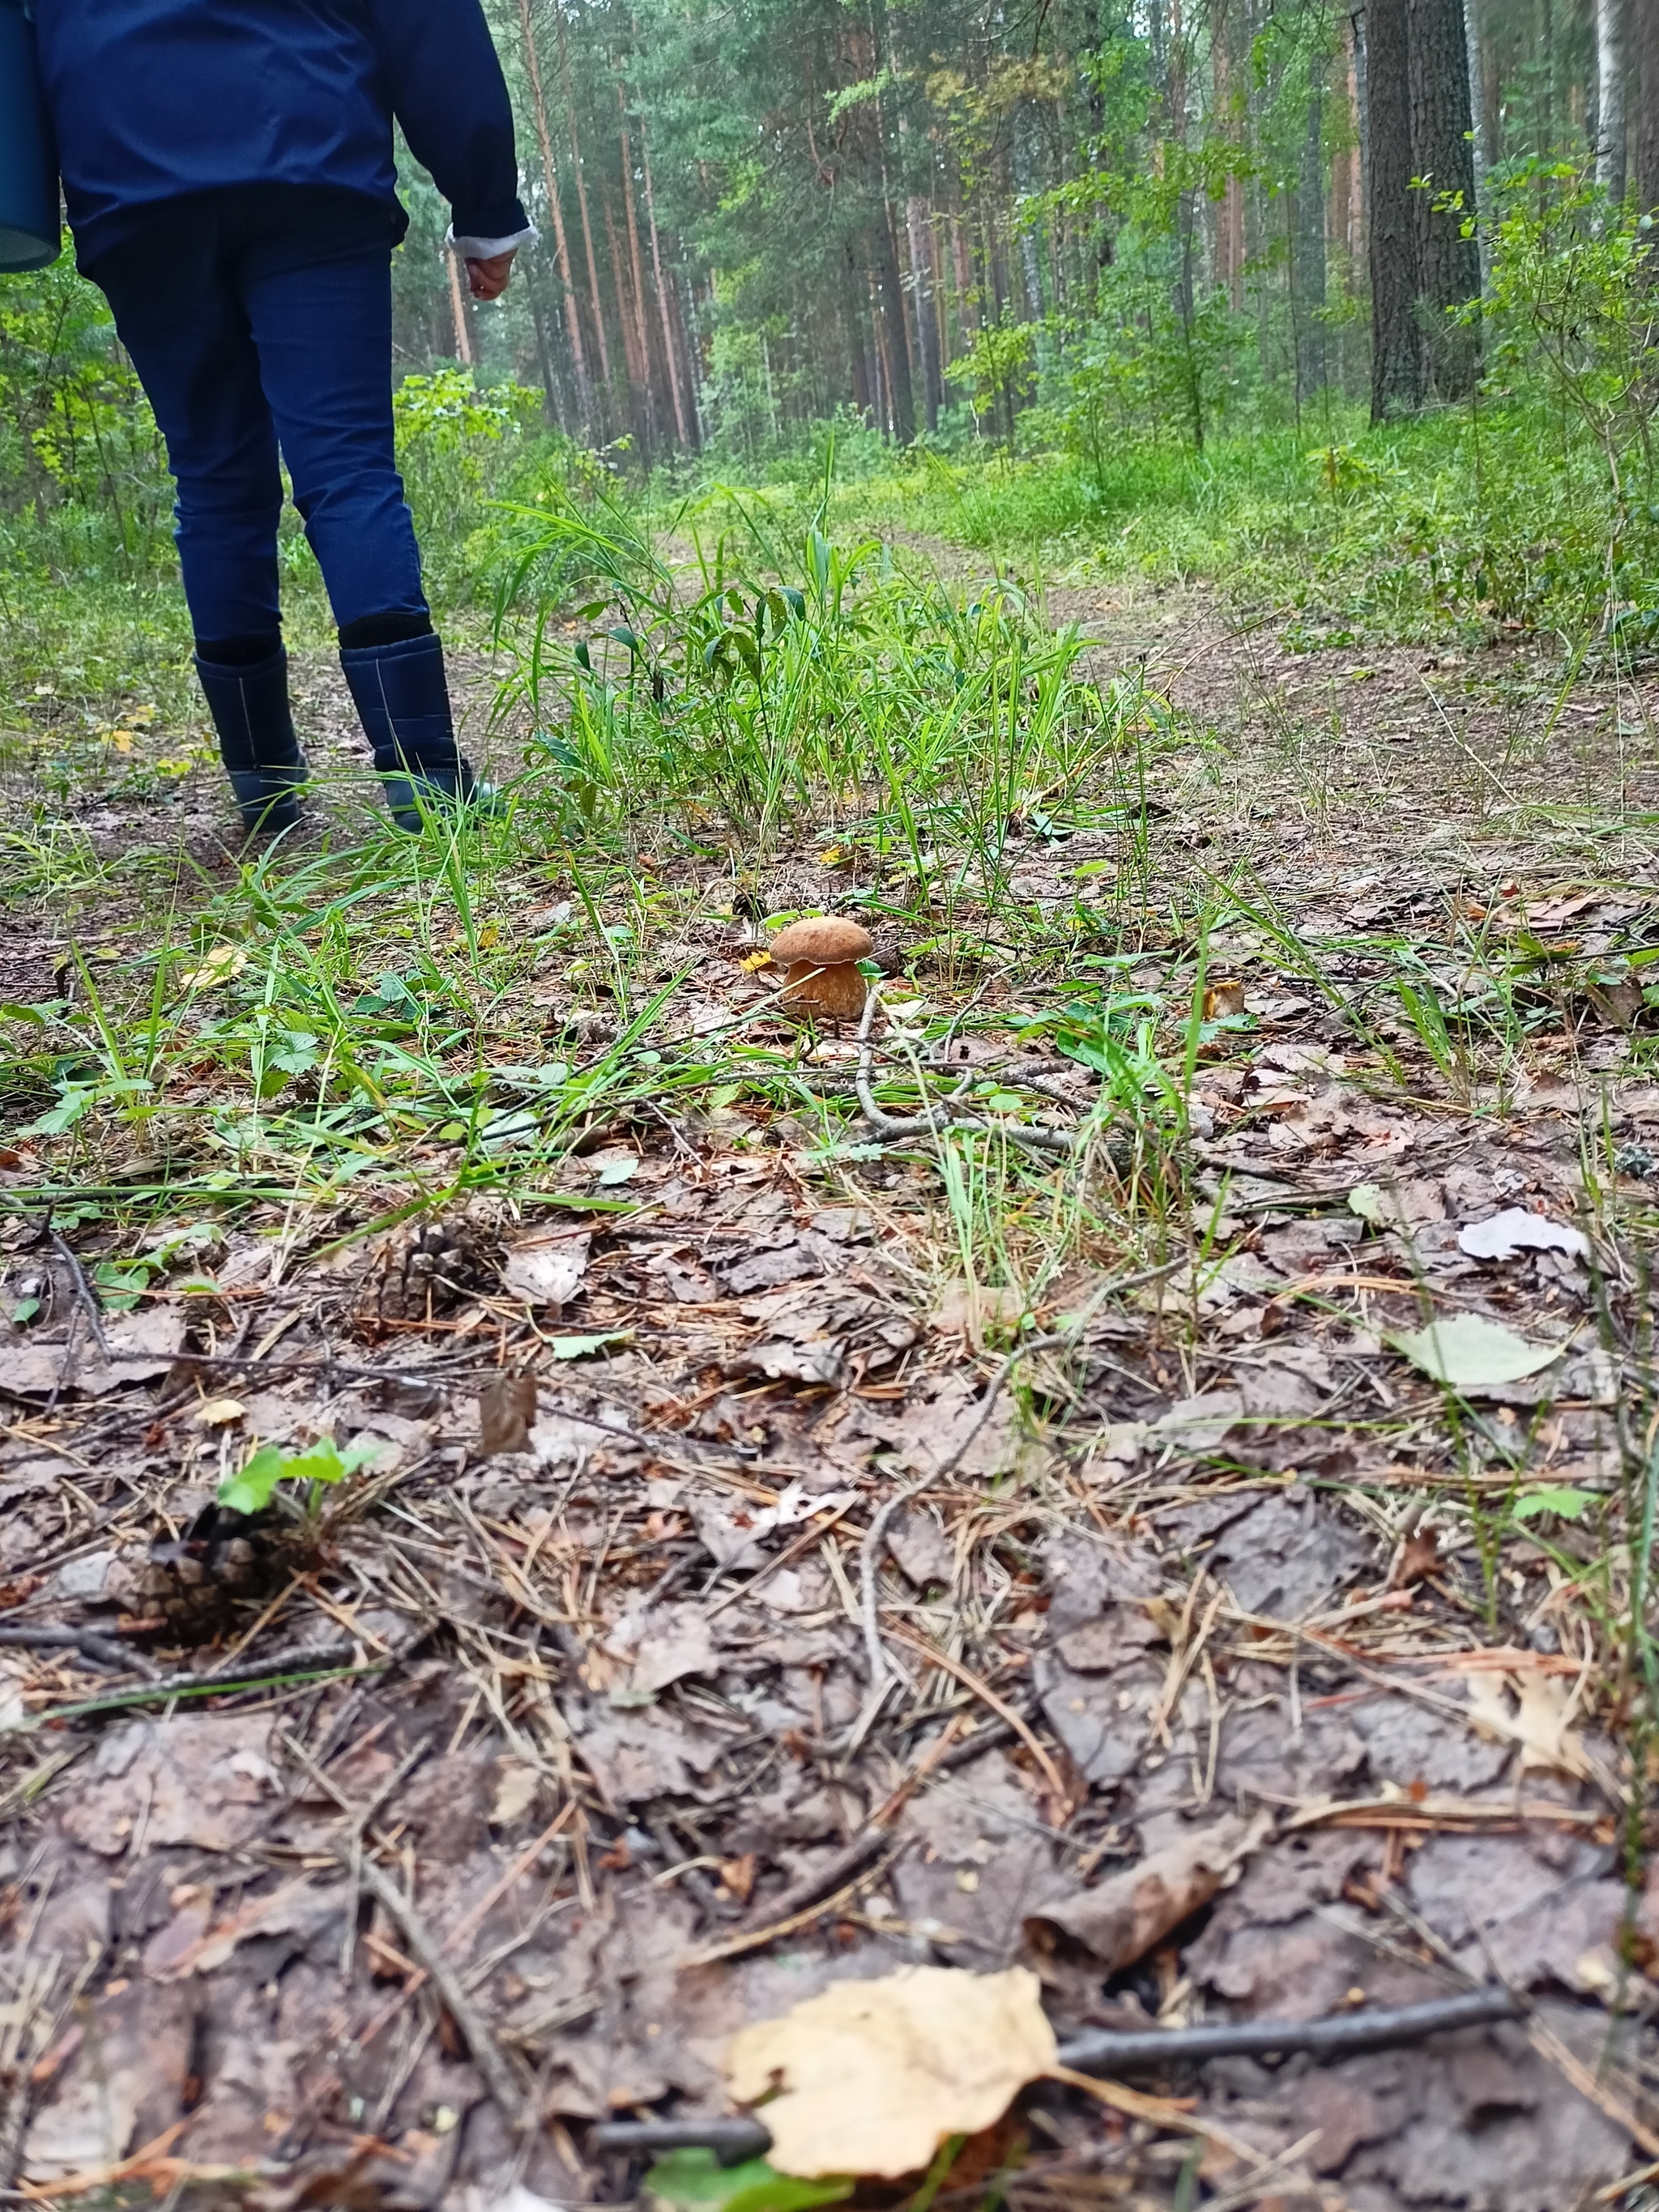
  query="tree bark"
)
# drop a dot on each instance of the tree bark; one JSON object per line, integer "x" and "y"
{"x": 641, "y": 332}
{"x": 922, "y": 292}
{"x": 1307, "y": 272}
{"x": 1397, "y": 377}
{"x": 1645, "y": 45}
{"x": 1610, "y": 68}
{"x": 895, "y": 348}
{"x": 670, "y": 353}
{"x": 1448, "y": 264}
{"x": 1481, "y": 135}
{"x": 550, "y": 182}
{"x": 582, "y": 202}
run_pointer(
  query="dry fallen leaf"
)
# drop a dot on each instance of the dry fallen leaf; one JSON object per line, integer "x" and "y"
{"x": 874, "y": 2075}
{"x": 506, "y": 1408}
{"x": 1470, "y": 1354}
{"x": 1539, "y": 1723}
{"x": 1121, "y": 1919}
{"x": 1501, "y": 1236}
{"x": 547, "y": 1270}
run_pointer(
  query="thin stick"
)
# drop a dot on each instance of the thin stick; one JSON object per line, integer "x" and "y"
{"x": 486, "y": 2056}
{"x": 1162, "y": 2111}
{"x": 87, "y": 1641}
{"x": 982, "y": 1690}
{"x": 932, "y": 1121}
{"x": 755, "y": 1939}
{"x": 85, "y": 1298}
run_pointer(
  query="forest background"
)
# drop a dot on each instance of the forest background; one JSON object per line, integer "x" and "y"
{"x": 1259, "y": 289}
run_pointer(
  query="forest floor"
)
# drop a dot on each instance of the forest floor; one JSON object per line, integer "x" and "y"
{"x": 1260, "y": 1629}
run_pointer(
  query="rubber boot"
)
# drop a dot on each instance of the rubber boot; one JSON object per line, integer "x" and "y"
{"x": 262, "y": 756}
{"x": 403, "y": 698}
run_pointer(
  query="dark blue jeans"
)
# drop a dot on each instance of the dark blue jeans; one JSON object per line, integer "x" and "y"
{"x": 260, "y": 321}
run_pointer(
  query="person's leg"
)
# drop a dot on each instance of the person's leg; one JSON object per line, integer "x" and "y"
{"x": 177, "y": 312}
{"x": 320, "y": 309}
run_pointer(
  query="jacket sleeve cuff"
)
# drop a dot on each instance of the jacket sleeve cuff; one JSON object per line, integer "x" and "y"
{"x": 472, "y": 248}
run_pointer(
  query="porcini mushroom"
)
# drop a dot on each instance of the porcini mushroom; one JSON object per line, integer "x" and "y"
{"x": 819, "y": 959}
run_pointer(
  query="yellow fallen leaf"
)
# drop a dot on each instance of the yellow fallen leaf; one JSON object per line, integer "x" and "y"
{"x": 874, "y": 2075}
{"x": 218, "y": 966}
{"x": 219, "y": 1412}
{"x": 751, "y": 961}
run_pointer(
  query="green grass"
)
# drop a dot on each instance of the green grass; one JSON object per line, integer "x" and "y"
{"x": 1477, "y": 523}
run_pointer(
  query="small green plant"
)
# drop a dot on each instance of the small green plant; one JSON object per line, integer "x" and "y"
{"x": 695, "y": 2181}
{"x": 251, "y": 1488}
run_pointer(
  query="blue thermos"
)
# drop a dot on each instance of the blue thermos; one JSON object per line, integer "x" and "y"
{"x": 29, "y": 233}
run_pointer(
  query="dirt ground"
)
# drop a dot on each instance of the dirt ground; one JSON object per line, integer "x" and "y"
{"x": 1235, "y": 1671}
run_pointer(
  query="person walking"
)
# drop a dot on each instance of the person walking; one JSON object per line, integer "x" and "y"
{"x": 228, "y": 174}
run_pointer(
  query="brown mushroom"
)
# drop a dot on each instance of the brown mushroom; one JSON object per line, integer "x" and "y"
{"x": 819, "y": 959}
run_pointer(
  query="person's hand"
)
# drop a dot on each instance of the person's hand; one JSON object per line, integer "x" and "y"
{"x": 488, "y": 279}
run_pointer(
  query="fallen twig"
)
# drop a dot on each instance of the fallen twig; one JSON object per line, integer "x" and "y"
{"x": 755, "y": 1939}
{"x": 85, "y": 1297}
{"x": 1108, "y": 2052}
{"x": 302, "y": 1664}
{"x": 486, "y": 2056}
{"x": 934, "y": 1121}
{"x": 87, "y": 1641}
{"x": 1336, "y": 2036}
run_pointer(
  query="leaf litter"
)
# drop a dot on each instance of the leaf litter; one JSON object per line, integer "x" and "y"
{"x": 1310, "y": 1568}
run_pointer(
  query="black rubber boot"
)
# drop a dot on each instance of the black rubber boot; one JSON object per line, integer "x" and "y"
{"x": 261, "y": 754}
{"x": 402, "y": 697}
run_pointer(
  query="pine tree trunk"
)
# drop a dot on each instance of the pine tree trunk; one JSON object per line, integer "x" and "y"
{"x": 670, "y": 355}
{"x": 582, "y": 202}
{"x": 1645, "y": 138}
{"x": 921, "y": 295}
{"x": 1397, "y": 379}
{"x": 1448, "y": 264}
{"x": 895, "y": 334}
{"x": 1308, "y": 271}
{"x": 1610, "y": 65}
{"x": 641, "y": 336}
{"x": 631, "y": 365}
{"x": 550, "y": 182}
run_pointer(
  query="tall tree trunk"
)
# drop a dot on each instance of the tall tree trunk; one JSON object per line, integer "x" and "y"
{"x": 633, "y": 367}
{"x": 550, "y": 182}
{"x": 555, "y": 407}
{"x": 640, "y": 329}
{"x": 1448, "y": 262}
{"x": 1308, "y": 274}
{"x": 669, "y": 352}
{"x": 1645, "y": 43}
{"x": 1481, "y": 137}
{"x": 917, "y": 229}
{"x": 961, "y": 264}
{"x": 1397, "y": 379}
{"x": 582, "y": 202}
{"x": 1610, "y": 66}
{"x": 895, "y": 348}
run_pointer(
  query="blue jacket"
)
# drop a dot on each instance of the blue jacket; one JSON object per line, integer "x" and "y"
{"x": 152, "y": 99}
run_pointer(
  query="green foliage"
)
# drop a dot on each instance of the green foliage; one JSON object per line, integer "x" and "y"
{"x": 695, "y": 2181}
{"x": 251, "y": 1488}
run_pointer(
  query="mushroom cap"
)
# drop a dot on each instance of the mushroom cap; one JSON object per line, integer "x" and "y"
{"x": 823, "y": 940}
